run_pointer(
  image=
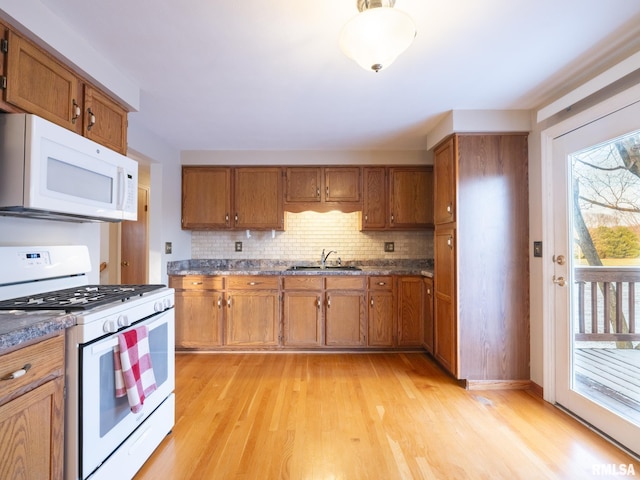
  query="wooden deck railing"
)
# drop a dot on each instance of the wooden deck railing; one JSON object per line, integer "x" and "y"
{"x": 615, "y": 287}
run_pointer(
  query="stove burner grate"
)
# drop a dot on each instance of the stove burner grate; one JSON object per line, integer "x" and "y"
{"x": 77, "y": 298}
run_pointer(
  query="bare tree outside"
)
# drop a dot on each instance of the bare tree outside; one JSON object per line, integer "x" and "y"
{"x": 606, "y": 205}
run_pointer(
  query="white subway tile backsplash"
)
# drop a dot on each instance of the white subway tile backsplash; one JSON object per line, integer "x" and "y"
{"x": 306, "y": 234}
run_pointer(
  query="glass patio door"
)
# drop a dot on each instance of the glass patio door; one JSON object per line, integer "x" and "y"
{"x": 596, "y": 197}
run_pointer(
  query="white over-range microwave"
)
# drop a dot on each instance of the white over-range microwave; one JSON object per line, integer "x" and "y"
{"x": 47, "y": 171}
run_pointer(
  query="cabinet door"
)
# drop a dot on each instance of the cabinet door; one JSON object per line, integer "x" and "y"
{"x": 302, "y": 318}
{"x": 427, "y": 342}
{"x": 31, "y": 430}
{"x": 411, "y": 197}
{"x": 374, "y": 211}
{"x": 258, "y": 198}
{"x": 445, "y": 328}
{"x": 206, "y": 198}
{"x": 198, "y": 319}
{"x": 381, "y": 319}
{"x": 342, "y": 184}
{"x": 444, "y": 170}
{"x": 345, "y": 319}
{"x": 36, "y": 83}
{"x": 252, "y": 318}
{"x": 410, "y": 310}
{"x": 105, "y": 121}
{"x": 303, "y": 184}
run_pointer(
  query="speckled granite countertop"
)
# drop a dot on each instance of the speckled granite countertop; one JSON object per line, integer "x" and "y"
{"x": 17, "y": 328}
{"x": 278, "y": 267}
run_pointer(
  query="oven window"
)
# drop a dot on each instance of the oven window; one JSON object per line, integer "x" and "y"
{"x": 112, "y": 409}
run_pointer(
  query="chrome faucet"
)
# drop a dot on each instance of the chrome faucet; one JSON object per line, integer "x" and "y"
{"x": 323, "y": 257}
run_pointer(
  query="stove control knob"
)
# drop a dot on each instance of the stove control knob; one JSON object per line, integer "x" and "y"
{"x": 167, "y": 303}
{"x": 158, "y": 307}
{"x": 109, "y": 326}
{"x": 123, "y": 321}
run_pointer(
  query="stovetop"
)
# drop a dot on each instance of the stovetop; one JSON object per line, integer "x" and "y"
{"x": 78, "y": 298}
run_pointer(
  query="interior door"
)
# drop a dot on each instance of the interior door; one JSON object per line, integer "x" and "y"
{"x": 135, "y": 243}
{"x": 596, "y": 196}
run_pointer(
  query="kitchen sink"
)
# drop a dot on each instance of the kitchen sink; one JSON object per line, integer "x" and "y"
{"x": 348, "y": 268}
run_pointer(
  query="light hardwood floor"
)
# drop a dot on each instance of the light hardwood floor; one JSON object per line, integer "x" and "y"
{"x": 363, "y": 416}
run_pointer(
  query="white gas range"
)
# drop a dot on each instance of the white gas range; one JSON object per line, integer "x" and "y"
{"x": 103, "y": 437}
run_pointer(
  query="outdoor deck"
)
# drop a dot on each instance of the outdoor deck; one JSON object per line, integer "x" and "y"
{"x": 611, "y": 377}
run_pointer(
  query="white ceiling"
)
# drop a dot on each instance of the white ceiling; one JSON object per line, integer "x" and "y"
{"x": 269, "y": 75}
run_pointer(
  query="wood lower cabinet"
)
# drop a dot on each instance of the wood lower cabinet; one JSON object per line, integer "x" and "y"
{"x": 302, "y": 314}
{"x": 381, "y": 308}
{"x": 252, "y": 311}
{"x": 345, "y": 314}
{"x": 32, "y": 412}
{"x": 445, "y": 341}
{"x": 199, "y": 311}
{"x": 410, "y": 311}
{"x": 427, "y": 341}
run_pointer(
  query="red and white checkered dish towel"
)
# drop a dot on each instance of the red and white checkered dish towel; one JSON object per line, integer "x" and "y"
{"x": 133, "y": 370}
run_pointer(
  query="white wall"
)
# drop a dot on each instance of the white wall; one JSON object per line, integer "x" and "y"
{"x": 24, "y": 231}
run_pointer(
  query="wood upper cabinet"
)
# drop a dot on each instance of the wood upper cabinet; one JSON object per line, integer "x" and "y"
{"x": 258, "y": 195}
{"x": 253, "y": 311}
{"x": 302, "y": 311}
{"x": 199, "y": 309}
{"x": 410, "y": 310}
{"x": 411, "y": 197}
{"x": 323, "y": 188}
{"x": 105, "y": 122}
{"x": 381, "y": 312}
{"x": 32, "y": 412}
{"x": 427, "y": 341}
{"x": 444, "y": 187}
{"x": 39, "y": 84}
{"x": 375, "y": 198}
{"x": 345, "y": 314}
{"x": 206, "y": 198}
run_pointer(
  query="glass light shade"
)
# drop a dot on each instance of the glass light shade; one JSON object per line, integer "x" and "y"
{"x": 376, "y": 37}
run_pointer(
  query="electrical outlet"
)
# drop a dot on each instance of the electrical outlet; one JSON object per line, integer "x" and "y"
{"x": 167, "y": 248}
{"x": 389, "y": 246}
{"x": 238, "y": 246}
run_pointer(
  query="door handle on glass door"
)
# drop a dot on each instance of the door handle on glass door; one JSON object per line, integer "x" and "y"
{"x": 559, "y": 281}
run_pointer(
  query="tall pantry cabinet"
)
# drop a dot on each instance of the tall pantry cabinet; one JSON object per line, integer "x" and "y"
{"x": 481, "y": 275}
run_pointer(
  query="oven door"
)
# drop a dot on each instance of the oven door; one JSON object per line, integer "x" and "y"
{"x": 106, "y": 421}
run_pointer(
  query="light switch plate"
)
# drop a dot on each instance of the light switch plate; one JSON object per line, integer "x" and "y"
{"x": 537, "y": 249}
{"x": 168, "y": 247}
{"x": 238, "y": 246}
{"x": 389, "y": 247}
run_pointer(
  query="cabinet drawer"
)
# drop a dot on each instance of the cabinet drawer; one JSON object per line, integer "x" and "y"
{"x": 303, "y": 282}
{"x": 381, "y": 283}
{"x": 345, "y": 283}
{"x": 253, "y": 282}
{"x": 196, "y": 282}
{"x": 47, "y": 362}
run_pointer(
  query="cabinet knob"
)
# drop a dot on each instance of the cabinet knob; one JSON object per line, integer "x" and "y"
{"x": 236, "y": 217}
{"x": 219, "y": 302}
{"x": 371, "y": 302}
{"x": 17, "y": 373}
{"x": 226, "y": 218}
{"x": 197, "y": 283}
{"x": 382, "y": 284}
{"x": 92, "y": 119}
{"x": 318, "y": 192}
{"x": 392, "y": 218}
{"x": 252, "y": 283}
{"x": 366, "y": 218}
{"x": 449, "y": 208}
{"x": 229, "y": 301}
{"x": 318, "y": 303}
{"x": 76, "y": 111}
{"x": 328, "y": 301}
{"x": 450, "y": 242}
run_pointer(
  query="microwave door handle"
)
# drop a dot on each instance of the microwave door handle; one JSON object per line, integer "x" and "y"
{"x": 121, "y": 187}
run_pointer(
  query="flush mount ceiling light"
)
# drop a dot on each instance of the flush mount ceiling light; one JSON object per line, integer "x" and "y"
{"x": 377, "y": 35}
